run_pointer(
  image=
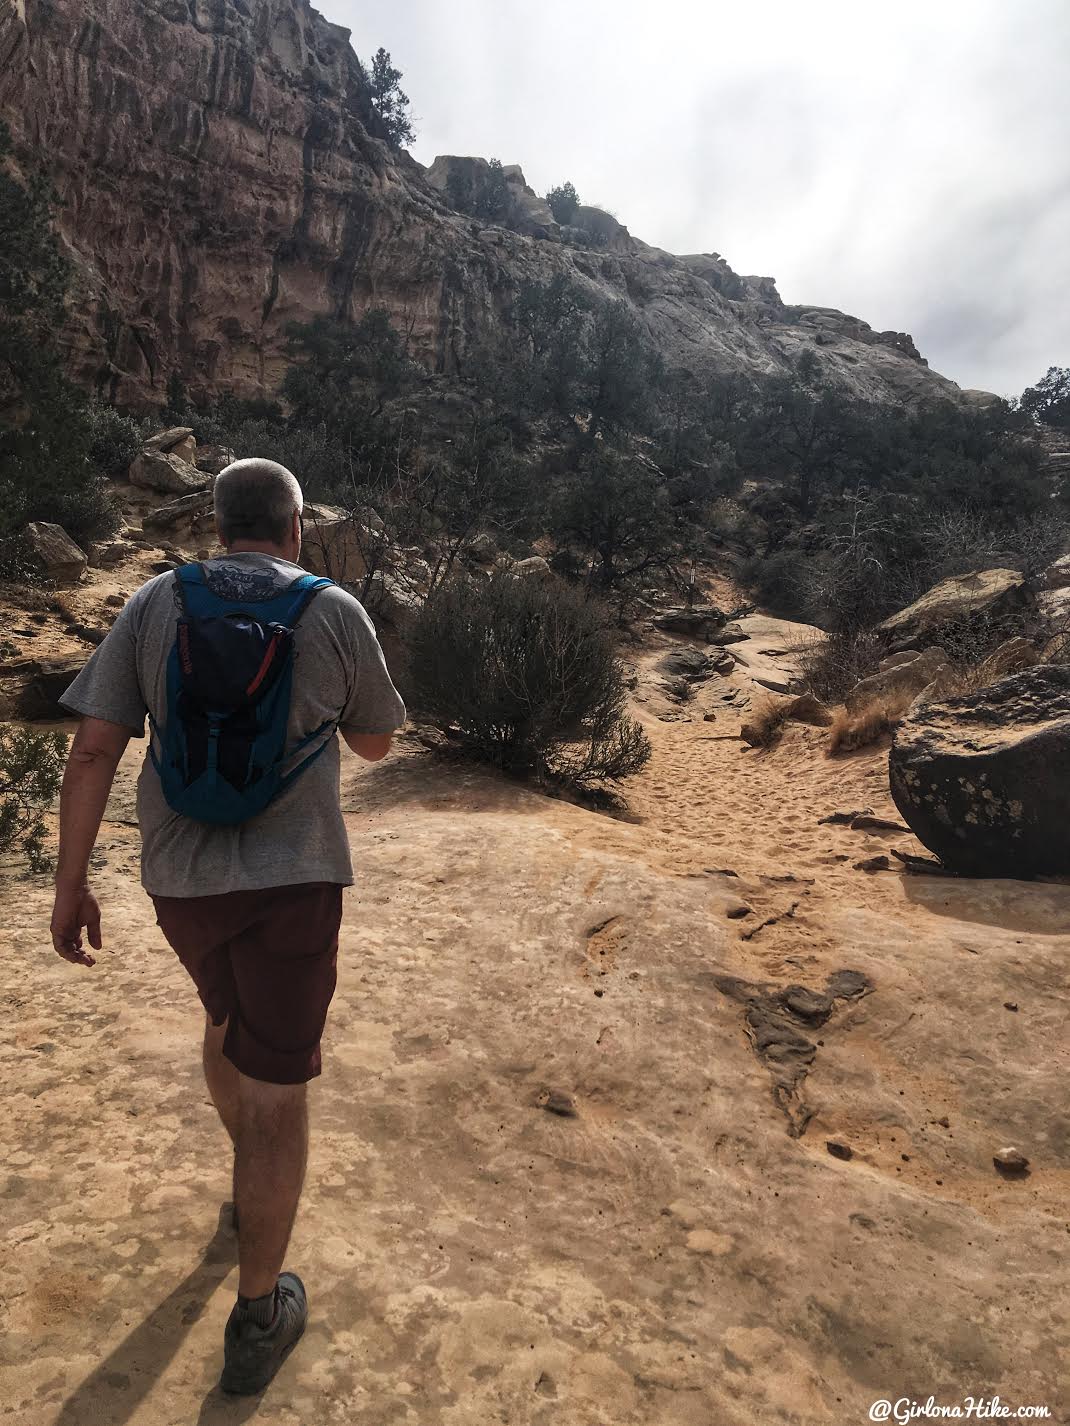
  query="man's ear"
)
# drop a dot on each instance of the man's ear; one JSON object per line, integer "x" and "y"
{"x": 219, "y": 536}
{"x": 295, "y": 529}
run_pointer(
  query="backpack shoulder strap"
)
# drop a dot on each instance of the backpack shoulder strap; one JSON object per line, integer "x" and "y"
{"x": 188, "y": 579}
{"x": 304, "y": 589}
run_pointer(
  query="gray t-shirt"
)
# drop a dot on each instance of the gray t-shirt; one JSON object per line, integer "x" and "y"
{"x": 339, "y": 676}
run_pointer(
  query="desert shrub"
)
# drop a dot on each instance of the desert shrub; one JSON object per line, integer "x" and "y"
{"x": 563, "y": 201}
{"x": 779, "y": 582}
{"x": 528, "y": 675}
{"x": 46, "y": 467}
{"x": 31, "y": 766}
{"x": 114, "y": 439}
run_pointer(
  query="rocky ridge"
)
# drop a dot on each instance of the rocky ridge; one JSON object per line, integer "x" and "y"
{"x": 221, "y": 175}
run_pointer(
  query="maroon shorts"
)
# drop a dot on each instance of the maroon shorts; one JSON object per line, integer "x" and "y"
{"x": 263, "y": 961}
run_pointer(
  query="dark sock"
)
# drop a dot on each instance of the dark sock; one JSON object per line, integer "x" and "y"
{"x": 258, "y": 1310}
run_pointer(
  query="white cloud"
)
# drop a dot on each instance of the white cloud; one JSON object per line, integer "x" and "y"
{"x": 909, "y": 164}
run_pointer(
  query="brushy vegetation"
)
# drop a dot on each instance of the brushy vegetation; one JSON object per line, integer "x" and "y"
{"x": 54, "y": 445}
{"x": 526, "y": 676}
{"x": 31, "y": 767}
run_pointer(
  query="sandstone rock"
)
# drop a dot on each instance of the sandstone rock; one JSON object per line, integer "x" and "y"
{"x": 334, "y": 544}
{"x": 154, "y": 470}
{"x": 287, "y": 142}
{"x": 55, "y": 552}
{"x": 213, "y": 459}
{"x": 899, "y": 680}
{"x": 877, "y": 863}
{"x": 691, "y": 665}
{"x": 730, "y": 634}
{"x": 701, "y": 622}
{"x": 185, "y": 449}
{"x": 178, "y": 512}
{"x": 772, "y": 654}
{"x": 974, "y": 776}
{"x": 533, "y": 568}
{"x": 894, "y": 660}
{"x": 1057, "y": 575}
{"x": 40, "y": 698}
{"x": 108, "y": 553}
{"x": 865, "y": 822}
{"x": 482, "y": 548}
{"x": 164, "y": 441}
{"x": 1010, "y": 1160}
{"x": 992, "y": 596}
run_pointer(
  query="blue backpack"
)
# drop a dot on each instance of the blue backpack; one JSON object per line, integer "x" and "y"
{"x": 222, "y": 750}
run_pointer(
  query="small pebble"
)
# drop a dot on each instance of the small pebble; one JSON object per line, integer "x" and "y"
{"x": 556, "y": 1102}
{"x": 838, "y": 1149}
{"x": 1010, "y": 1005}
{"x": 1010, "y": 1160}
{"x": 738, "y": 910}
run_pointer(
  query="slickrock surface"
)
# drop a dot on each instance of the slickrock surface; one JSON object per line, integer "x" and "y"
{"x": 570, "y": 1157}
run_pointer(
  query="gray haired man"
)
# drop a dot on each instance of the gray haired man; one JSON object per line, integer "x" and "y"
{"x": 252, "y": 910}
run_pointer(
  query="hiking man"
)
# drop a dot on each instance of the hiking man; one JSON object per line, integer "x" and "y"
{"x": 251, "y": 904}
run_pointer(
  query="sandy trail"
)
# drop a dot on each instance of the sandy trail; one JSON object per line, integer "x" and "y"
{"x": 677, "y": 1251}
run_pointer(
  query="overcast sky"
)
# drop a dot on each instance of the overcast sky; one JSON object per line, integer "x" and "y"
{"x": 908, "y": 163}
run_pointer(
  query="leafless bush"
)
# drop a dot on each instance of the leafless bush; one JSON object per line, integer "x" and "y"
{"x": 830, "y": 667}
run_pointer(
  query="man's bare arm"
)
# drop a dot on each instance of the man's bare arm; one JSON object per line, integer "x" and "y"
{"x": 370, "y": 746}
{"x": 94, "y": 756}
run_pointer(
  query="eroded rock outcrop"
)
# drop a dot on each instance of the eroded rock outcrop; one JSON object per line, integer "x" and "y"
{"x": 222, "y": 174}
{"x": 981, "y": 779}
{"x": 990, "y": 599}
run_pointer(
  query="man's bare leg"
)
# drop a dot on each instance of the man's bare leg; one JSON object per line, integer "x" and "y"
{"x": 272, "y": 1150}
{"x": 221, "y": 1078}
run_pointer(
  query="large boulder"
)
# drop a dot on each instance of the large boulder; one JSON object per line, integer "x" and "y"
{"x": 55, "y": 552}
{"x": 167, "y": 473}
{"x": 701, "y": 622}
{"x": 900, "y": 677}
{"x": 981, "y": 779}
{"x": 991, "y": 598}
{"x": 334, "y": 543}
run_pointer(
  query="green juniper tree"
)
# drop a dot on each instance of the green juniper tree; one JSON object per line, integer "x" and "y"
{"x": 389, "y": 100}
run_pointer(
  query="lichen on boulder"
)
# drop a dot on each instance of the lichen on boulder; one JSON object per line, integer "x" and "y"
{"x": 981, "y": 779}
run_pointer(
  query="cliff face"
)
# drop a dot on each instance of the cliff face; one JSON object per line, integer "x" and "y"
{"x": 220, "y": 177}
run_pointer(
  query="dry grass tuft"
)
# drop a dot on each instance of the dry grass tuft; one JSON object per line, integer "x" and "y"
{"x": 765, "y": 721}
{"x": 870, "y": 721}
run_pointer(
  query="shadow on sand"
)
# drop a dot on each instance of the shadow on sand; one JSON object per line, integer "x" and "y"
{"x": 113, "y": 1392}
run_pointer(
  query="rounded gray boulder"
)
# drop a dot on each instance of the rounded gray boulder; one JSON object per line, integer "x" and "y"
{"x": 982, "y": 779}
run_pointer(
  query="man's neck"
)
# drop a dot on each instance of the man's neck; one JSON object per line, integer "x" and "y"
{"x": 259, "y": 547}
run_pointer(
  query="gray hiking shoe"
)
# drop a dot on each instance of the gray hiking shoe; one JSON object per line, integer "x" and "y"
{"x": 251, "y": 1354}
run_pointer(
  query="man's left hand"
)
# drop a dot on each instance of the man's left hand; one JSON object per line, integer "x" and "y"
{"x": 74, "y": 909}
